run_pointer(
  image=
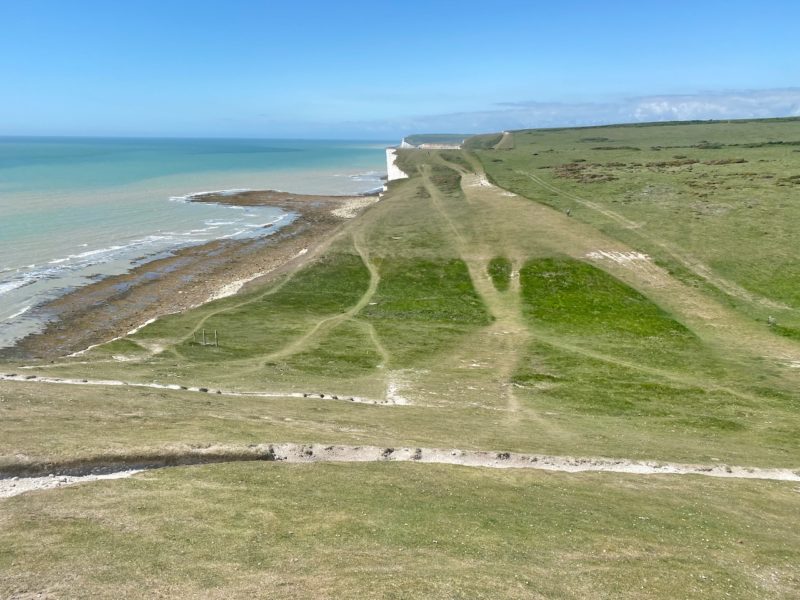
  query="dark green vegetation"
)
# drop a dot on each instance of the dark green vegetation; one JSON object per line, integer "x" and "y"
{"x": 636, "y": 297}
{"x": 576, "y": 297}
{"x": 500, "y": 271}
{"x": 578, "y": 302}
{"x": 446, "y": 179}
{"x": 416, "y": 324}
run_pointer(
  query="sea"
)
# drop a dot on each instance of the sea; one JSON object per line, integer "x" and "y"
{"x": 75, "y": 210}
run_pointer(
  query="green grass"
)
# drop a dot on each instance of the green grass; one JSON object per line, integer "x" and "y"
{"x": 403, "y": 531}
{"x": 422, "y": 307}
{"x": 577, "y": 303}
{"x": 567, "y": 381}
{"x": 446, "y": 179}
{"x": 436, "y": 291}
{"x": 577, "y": 297}
{"x": 258, "y": 323}
{"x": 499, "y": 270}
{"x": 346, "y": 352}
{"x": 789, "y": 332}
{"x": 717, "y": 192}
{"x": 586, "y": 357}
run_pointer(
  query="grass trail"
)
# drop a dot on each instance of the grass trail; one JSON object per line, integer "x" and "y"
{"x": 417, "y": 309}
{"x": 503, "y": 341}
{"x": 716, "y": 323}
{"x": 327, "y": 324}
{"x": 694, "y": 265}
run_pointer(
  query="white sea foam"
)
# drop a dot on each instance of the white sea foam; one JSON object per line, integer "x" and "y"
{"x": 18, "y": 313}
{"x": 368, "y": 176}
{"x": 8, "y": 286}
{"x": 98, "y": 251}
{"x": 233, "y": 235}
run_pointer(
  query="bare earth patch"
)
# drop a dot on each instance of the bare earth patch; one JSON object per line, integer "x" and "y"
{"x": 314, "y": 453}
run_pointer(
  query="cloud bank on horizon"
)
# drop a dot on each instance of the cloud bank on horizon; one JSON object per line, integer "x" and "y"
{"x": 368, "y": 70}
{"x": 742, "y": 104}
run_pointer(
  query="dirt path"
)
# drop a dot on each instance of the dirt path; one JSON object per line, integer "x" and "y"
{"x": 694, "y": 265}
{"x": 373, "y": 335}
{"x": 498, "y": 347}
{"x": 327, "y": 324}
{"x": 532, "y": 226}
{"x": 14, "y": 482}
{"x": 36, "y": 379}
{"x": 506, "y": 142}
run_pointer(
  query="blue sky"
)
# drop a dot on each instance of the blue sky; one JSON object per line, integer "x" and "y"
{"x": 382, "y": 69}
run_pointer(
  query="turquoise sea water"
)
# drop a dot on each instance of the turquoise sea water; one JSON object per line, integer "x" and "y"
{"x": 76, "y": 209}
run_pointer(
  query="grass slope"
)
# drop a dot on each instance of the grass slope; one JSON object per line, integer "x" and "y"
{"x": 711, "y": 201}
{"x": 403, "y": 531}
{"x": 505, "y": 324}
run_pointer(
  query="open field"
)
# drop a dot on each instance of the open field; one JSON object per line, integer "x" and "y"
{"x": 543, "y": 292}
{"x": 402, "y": 531}
{"x": 711, "y": 202}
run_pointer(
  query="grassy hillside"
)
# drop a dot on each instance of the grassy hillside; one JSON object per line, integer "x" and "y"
{"x": 589, "y": 292}
{"x": 403, "y": 531}
{"x": 712, "y": 202}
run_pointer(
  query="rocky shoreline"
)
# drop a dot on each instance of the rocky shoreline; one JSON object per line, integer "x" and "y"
{"x": 191, "y": 276}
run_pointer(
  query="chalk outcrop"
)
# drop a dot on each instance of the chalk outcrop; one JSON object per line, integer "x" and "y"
{"x": 392, "y": 170}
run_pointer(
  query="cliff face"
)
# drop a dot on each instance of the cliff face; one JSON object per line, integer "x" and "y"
{"x": 392, "y": 170}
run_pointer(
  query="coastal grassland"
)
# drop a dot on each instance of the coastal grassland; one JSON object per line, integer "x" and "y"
{"x": 393, "y": 292}
{"x": 712, "y": 202}
{"x": 402, "y": 531}
{"x": 578, "y": 303}
{"x": 415, "y": 323}
{"x": 603, "y": 349}
{"x": 572, "y": 357}
{"x": 261, "y": 322}
{"x": 485, "y": 321}
{"x": 606, "y": 401}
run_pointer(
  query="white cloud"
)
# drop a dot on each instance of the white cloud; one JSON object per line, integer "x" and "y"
{"x": 720, "y": 105}
{"x": 521, "y": 115}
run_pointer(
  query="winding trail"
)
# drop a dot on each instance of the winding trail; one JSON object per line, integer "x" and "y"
{"x": 694, "y": 265}
{"x": 329, "y": 323}
{"x": 506, "y": 142}
{"x": 373, "y": 335}
{"x": 36, "y": 379}
{"x": 503, "y": 342}
{"x": 707, "y": 317}
{"x": 14, "y": 480}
